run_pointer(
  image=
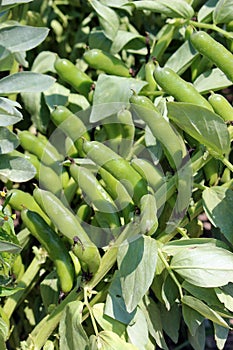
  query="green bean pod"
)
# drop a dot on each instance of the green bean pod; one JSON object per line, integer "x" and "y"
{"x": 118, "y": 193}
{"x": 124, "y": 117}
{"x": 161, "y": 129}
{"x": 70, "y": 124}
{"x": 113, "y": 132}
{"x": 211, "y": 171}
{"x": 106, "y": 62}
{"x": 177, "y": 87}
{"x": 72, "y": 75}
{"x": 118, "y": 167}
{"x": 84, "y": 212}
{"x": 67, "y": 223}
{"x": 46, "y": 152}
{"x": 213, "y": 50}
{"x": 149, "y": 172}
{"x": 221, "y": 106}
{"x": 149, "y": 78}
{"x": 55, "y": 247}
{"x": 20, "y": 200}
{"x": 95, "y": 194}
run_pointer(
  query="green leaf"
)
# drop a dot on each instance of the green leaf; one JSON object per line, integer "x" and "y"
{"x": 202, "y": 124}
{"x": 169, "y": 292}
{"x": 25, "y": 82}
{"x": 9, "y": 115}
{"x": 223, "y": 12}
{"x": 192, "y": 318}
{"x": 72, "y": 334}
{"x": 204, "y": 310}
{"x": 148, "y": 215}
{"x": 107, "y": 17}
{"x": 137, "y": 264}
{"x": 22, "y": 38}
{"x": 213, "y": 79}
{"x": 137, "y": 330}
{"x": 204, "y": 267}
{"x": 217, "y": 203}
{"x": 206, "y": 11}
{"x": 57, "y": 94}
{"x": 112, "y": 94}
{"x": 4, "y": 333}
{"x": 107, "y": 340}
{"x": 115, "y": 305}
{"x": 198, "y": 340}
{"x": 207, "y": 295}
{"x": 6, "y": 292}
{"x": 16, "y": 169}
{"x": 98, "y": 40}
{"x": 123, "y": 38}
{"x": 182, "y": 58}
{"x": 49, "y": 290}
{"x": 178, "y": 8}
{"x": 108, "y": 323}
{"x": 171, "y": 321}
{"x": 35, "y": 104}
{"x": 8, "y": 140}
{"x": 225, "y": 295}
{"x": 220, "y": 335}
{"x": 177, "y": 246}
{"x": 44, "y": 62}
{"x": 9, "y": 247}
{"x": 7, "y": 4}
{"x": 153, "y": 318}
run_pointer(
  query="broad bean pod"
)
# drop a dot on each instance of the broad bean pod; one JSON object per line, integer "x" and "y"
{"x": 67, "y": 223}
{"x": 213, "y": 50}
{"x": 106, "y": 62}
{"x": 55, "y": 247}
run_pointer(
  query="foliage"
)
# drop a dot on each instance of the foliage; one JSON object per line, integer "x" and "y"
{"x": 122, "y": 171}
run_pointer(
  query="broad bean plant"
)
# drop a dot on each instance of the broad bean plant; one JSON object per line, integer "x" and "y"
{"x": 116, "y": 174}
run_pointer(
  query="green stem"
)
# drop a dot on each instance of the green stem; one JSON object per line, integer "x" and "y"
{"x": 182, "y": 231}
{"x": 228, "y": 164}
{"x": 48, "y": 324}
{"x": 90, "y": 311}
{"x": 200, "y": 186}
{"x": 25, "y": 283}
{"x": 212, "y": 27}
{"x": 171, "y": 273}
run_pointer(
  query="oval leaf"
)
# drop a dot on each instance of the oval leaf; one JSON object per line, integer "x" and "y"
{"x": 8, "y": 140}
{"x": 204, "y": 310}
{"x": 9, "y": 115}
{"x": 137, "y": 264}
{"x": 107, "y": 17}
{"x": 202, "y": 124}
{"x": 107, "y": 340}
{"x": 16, "y": 169}
{"x": 223, "y": 12}
{"x": 25, "y": 82}
{"x": 203, "y": 266}
{"x": 213, "y": 79}
{"x": 72, "y": 334}
{"x": 22, "y": 38}
{"x": 218, "y": 208}
{"x": 178, "y": 8}
{"x": 149, "y": 220}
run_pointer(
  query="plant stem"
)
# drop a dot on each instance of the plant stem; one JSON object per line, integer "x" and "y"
{"x": 182, "y": 231}
{"x": 25, "y": 283}
{"x": 228, "y": 164}
{"x": 212, "y": 27}
{"x": 90, "y": 311}
{"x": 171, "y": 273}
